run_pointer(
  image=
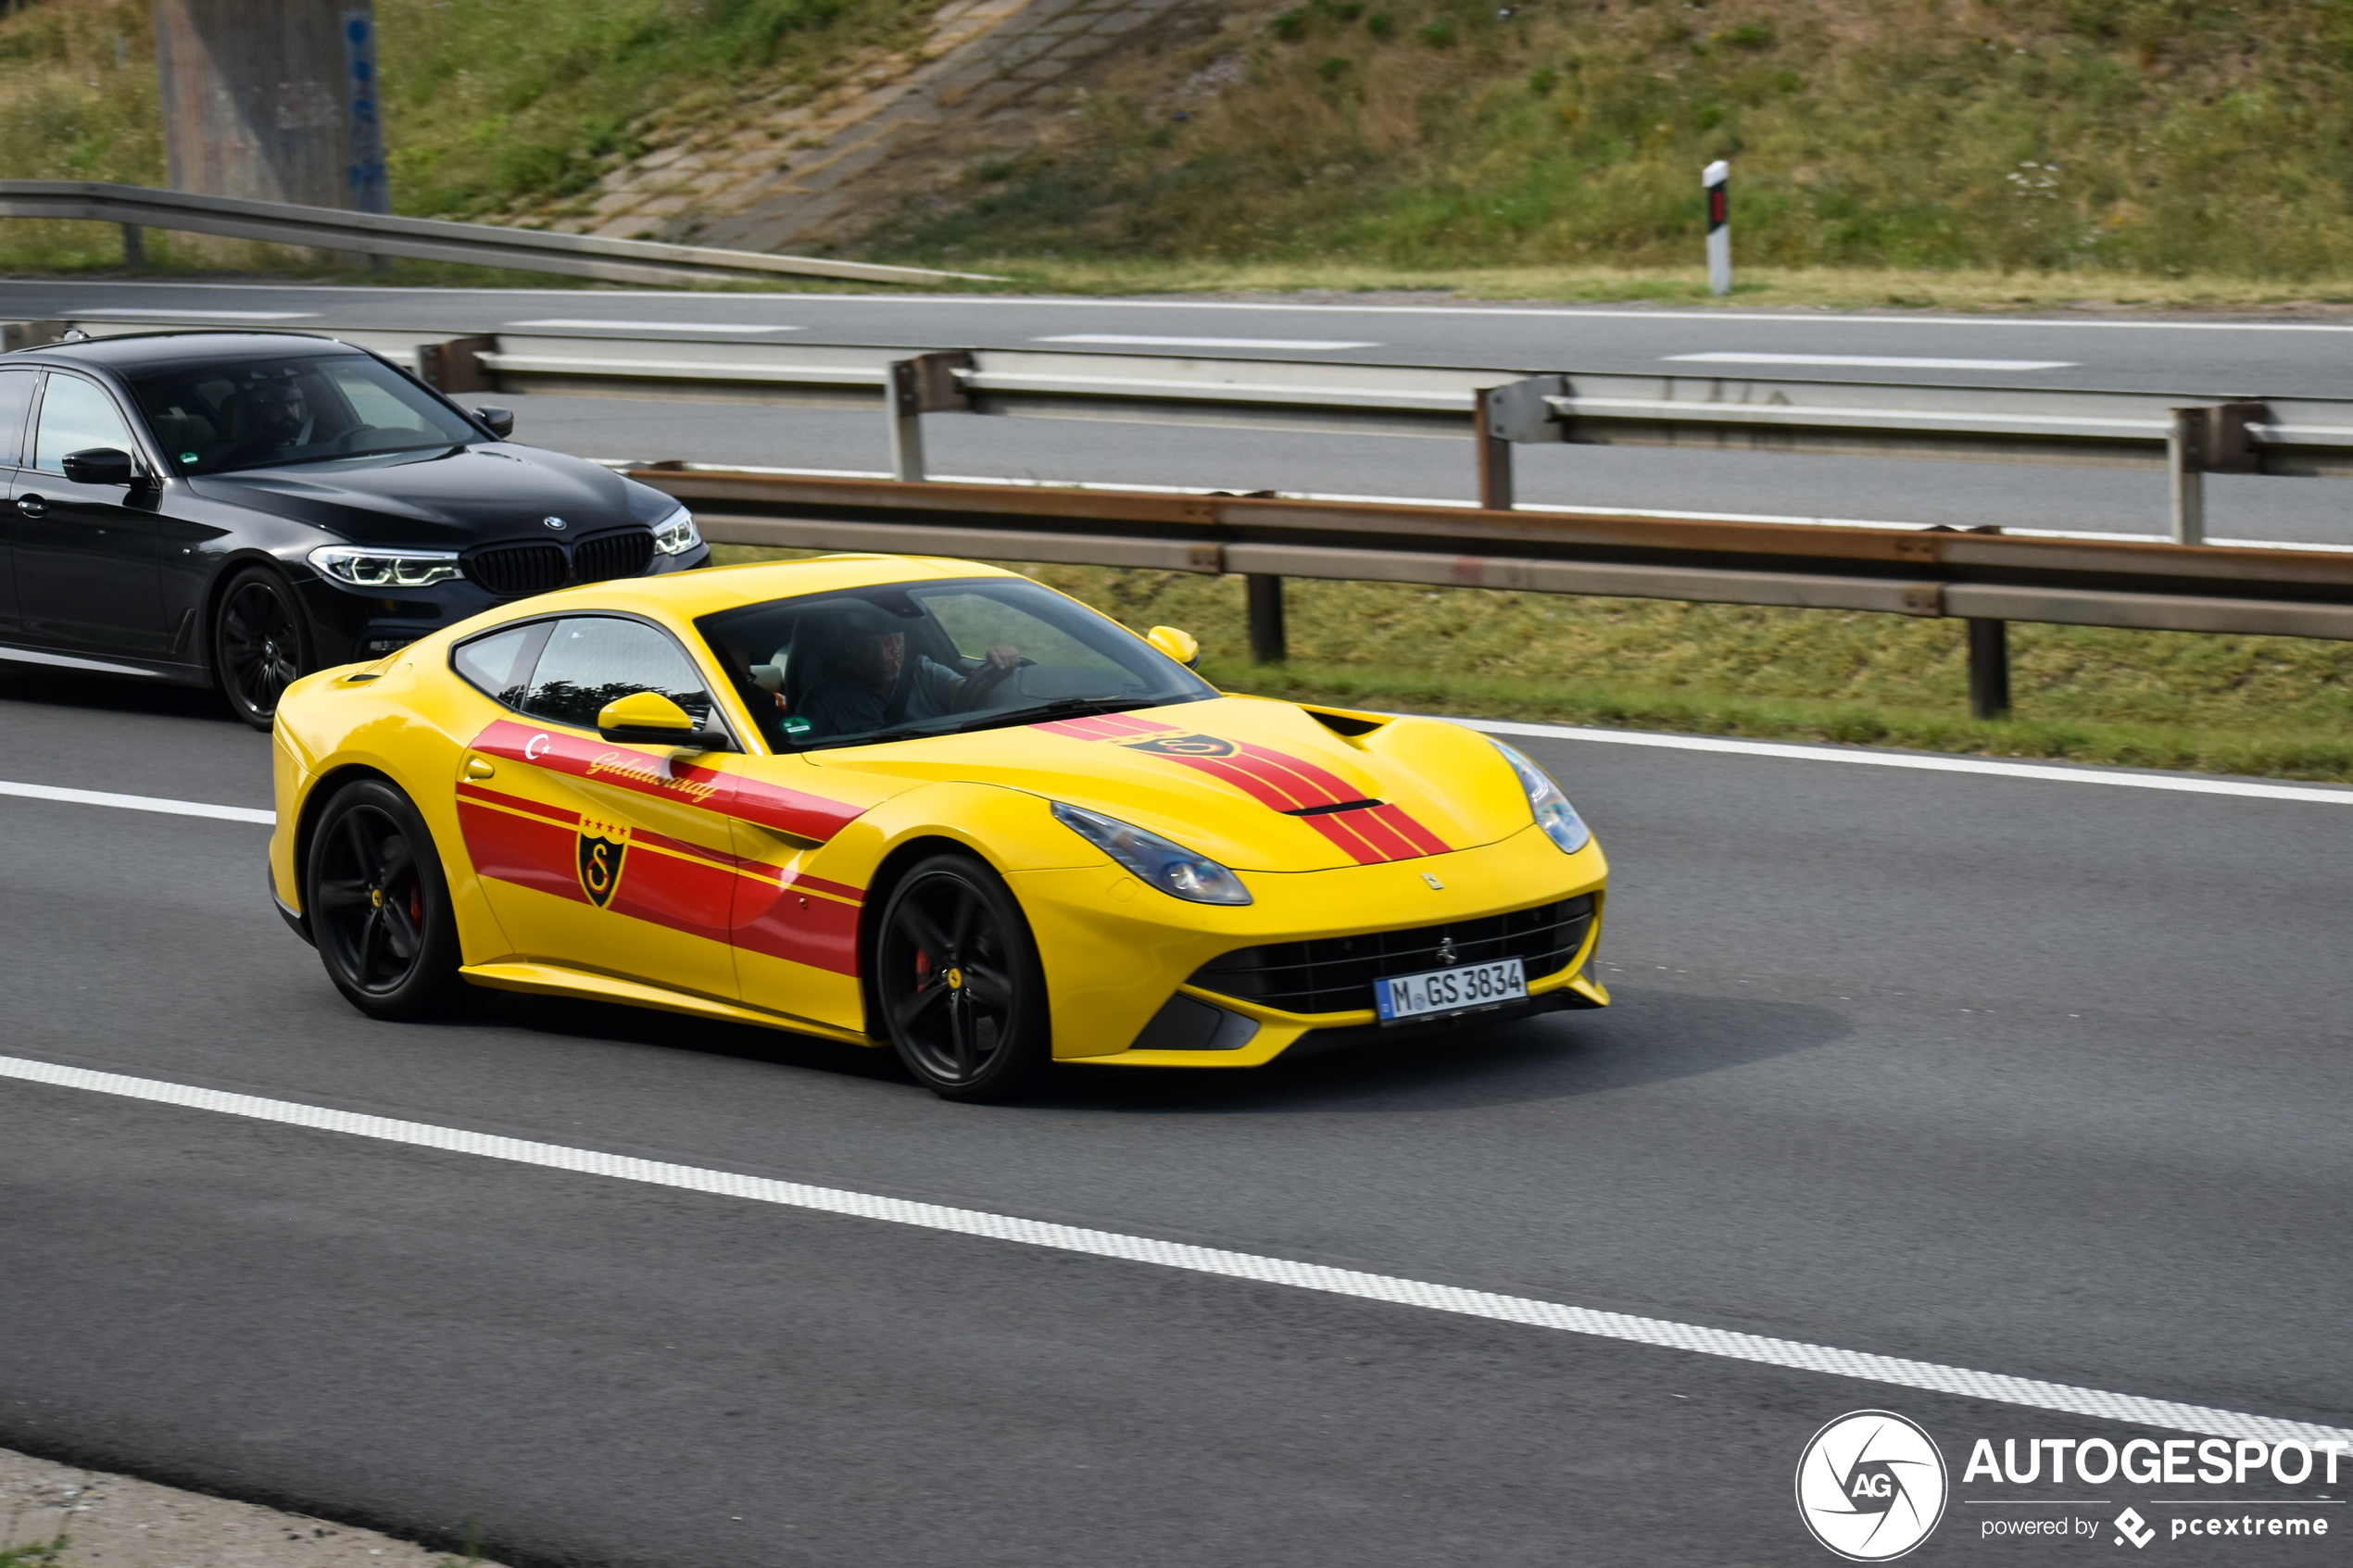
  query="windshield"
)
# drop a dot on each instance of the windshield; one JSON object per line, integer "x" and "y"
{"x": 266, "y": 413}
{"x": 933, "y": 658}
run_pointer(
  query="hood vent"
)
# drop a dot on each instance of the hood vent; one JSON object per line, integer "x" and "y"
{"x": 539, "y": 566}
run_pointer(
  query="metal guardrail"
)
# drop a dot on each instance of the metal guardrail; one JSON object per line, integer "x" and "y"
{"x": 2187, "y": 434}
{"x": 1984, "y": 578}
{"x": 1980, "y": 576}
{"x": 139, "y": 208}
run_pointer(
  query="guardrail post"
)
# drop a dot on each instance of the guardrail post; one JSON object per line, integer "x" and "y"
{"x": 2186, "y": 467}
{"x": 1989, "y": 669}
{"x": 134, "y": 245}
{"x": 455, "y": 366}
{"x": 1268, "y": 643}
{"x": 1495, "y": 454}
{"x": 903, "y": 393}
{"x": 912, "y": 388}
{"x": 1504, "y": 416}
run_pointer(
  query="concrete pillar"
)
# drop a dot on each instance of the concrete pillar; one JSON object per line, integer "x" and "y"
{"x": 274, "y": 100}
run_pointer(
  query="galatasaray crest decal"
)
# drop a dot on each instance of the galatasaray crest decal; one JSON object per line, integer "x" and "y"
{"x": 602, "y": 845}
{"x": 1187, "y": 745}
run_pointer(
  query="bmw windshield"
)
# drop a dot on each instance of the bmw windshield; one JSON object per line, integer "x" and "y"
{"x": 269, "y": 413}
{"x": 922, "y": 658}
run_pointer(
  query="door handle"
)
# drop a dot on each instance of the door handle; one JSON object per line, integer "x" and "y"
{"x": 32, "y": 505}
{"x": 476, "y": 768}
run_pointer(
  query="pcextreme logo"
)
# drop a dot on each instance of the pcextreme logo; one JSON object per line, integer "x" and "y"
{"x": 1872, "y": 1486}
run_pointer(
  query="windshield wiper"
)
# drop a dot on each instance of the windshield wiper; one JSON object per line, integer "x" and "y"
{"x": 1062, "y": 707}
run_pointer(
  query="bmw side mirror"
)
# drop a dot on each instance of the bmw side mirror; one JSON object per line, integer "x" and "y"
{"x": 500, "y": 422}
{"x": 101, "y": 465}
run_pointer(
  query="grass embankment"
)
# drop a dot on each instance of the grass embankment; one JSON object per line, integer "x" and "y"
{"x": 1991, "y": 154}
{"x": 488, "y": 103}
{"x": 2281, "y": 706}
{"x": 2127, "y": 138}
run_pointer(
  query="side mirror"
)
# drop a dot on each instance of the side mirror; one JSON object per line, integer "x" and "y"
{"x": 651, "y": 718}
{"x": 101, "y": 465}
{"x": 1182, "y": 647}
{"x": 501, "y": 421}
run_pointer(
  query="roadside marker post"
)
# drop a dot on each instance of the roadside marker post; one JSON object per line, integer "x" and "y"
{"x": 1713, "y": 180}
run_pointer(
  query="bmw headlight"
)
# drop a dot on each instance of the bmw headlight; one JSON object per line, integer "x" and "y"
{"x": 1168, "y": 866}
{"x": 385, "y": 568}
{"x": 676, "y": 533}
{"x": 1553, "y": 813}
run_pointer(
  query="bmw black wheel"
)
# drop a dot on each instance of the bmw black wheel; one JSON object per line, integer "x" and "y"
{"x": 260, "y": 643}
{"x": 963, "y": 996}
{"x": 379, "y": 906}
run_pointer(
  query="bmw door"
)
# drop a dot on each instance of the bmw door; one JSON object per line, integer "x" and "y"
{"x": 88, "y": 557}
{"x": 16, "y": 388}
{"x": 615, "y": 858}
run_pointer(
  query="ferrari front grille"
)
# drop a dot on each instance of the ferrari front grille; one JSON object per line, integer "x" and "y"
{"x": 1336, "y": 973}
{"x": 512, "y": 570}
{"x": 612, "y": 554}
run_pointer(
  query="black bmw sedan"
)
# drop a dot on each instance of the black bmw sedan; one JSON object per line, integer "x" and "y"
{"x": 240, "y": 508}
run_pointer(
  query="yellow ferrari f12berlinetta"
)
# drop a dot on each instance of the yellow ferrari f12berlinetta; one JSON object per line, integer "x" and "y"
{"x": 915, "y": 803}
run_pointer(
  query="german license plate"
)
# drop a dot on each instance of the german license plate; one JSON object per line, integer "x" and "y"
{"x": 1435, "y": 992}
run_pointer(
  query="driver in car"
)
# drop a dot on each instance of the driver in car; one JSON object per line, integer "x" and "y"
{"x": 274, "y": 416}
{"x": 869, "y": 684}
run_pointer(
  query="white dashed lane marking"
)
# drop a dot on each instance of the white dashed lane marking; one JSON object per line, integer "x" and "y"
{"x": 139, "y": 803}
{"x": 1394, "y": 1291}
{"x": 1872, "y": 361}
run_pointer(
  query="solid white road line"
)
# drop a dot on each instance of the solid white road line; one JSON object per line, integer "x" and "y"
{"x": 1876, "y": 361}
{"x": 653, "y": 326}
{"x": 1793, "y": 1354}
{"x": 202, "y": 315}
{"x": 1860, "y": 756}
{"x": 2120, "y": 778}
{"x": 1202, "y": 342}
{"x": 139, "y": 803}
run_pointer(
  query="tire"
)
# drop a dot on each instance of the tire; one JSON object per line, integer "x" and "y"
{"x": 964, "y": 998}
{"x": 260, "y": 644}
{"x": 379, "y": 906}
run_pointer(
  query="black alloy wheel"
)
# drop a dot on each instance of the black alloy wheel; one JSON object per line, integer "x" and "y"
{"x": 963, "y": 996}
{"x": 260, "y": 643}
{"x": 379, "y": 905}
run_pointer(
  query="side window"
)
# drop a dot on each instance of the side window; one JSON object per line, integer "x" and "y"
{"x": 592, "y": 660}
{"x": 76, "y": 416}
{"x": 499, "y": 665}
{"x": 16, "y": 402}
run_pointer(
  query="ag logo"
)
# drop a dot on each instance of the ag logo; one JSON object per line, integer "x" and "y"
{"x": 1872, "y": 1486}
{"x": 602, "y": 845}
{"x": 1187, "y": 745}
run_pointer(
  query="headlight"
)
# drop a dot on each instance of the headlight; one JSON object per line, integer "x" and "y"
{"x": 1553, "y": 813}
{"x": 676, "y": 533}
{"x": 1172, "y": 867}
{"x": 385, "y": 568}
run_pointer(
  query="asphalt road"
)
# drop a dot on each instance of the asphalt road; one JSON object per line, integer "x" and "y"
{"x": 2212, "y": 358}
{"x": 2271, "y": 357}
{"x": 2021, "y": 1075}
